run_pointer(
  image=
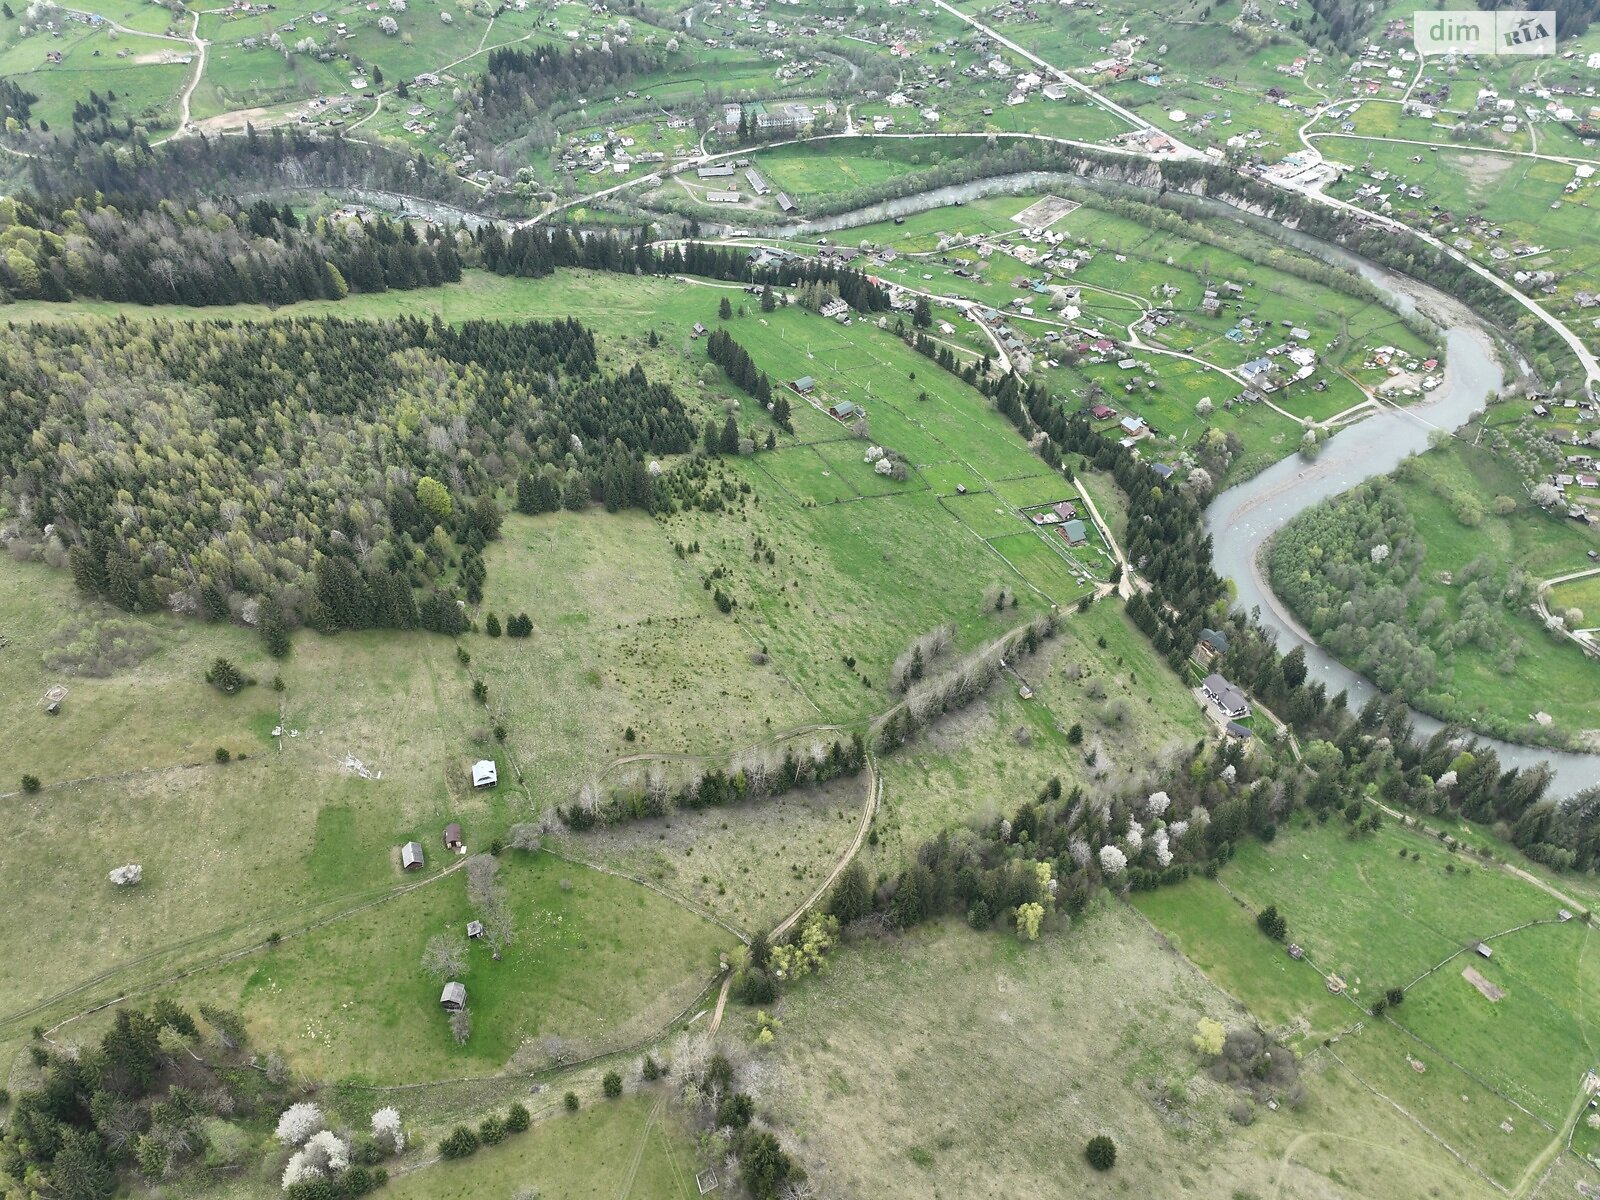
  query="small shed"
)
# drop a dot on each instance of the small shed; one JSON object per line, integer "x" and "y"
{"x": 411, "y": 856}
{"x": 452, "y": 836}
{"x": 454, "y": 996}
{"x": 1483, "y": 950}
{"x": 1564, "y": 914}
{"x": 484, "y": 774}
{"x": 1295, "y": 952}
{"x": 474, "y": 929}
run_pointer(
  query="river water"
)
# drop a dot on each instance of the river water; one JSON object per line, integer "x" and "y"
{"x": 1241, "y": 519}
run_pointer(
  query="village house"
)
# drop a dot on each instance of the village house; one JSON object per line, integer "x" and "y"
{"x": 1213, "y": 644}
{"x": 452, "y": 838}
{"x": 1075, "y": 533}
{"x": 1229, "y": 700}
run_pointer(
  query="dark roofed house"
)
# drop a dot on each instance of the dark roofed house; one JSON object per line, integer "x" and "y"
{"x": 1163, "y": 471}
{"x": 411, "y": 856}
{"x": 1101, "y": 411}
{"x": 1229, "y": 700}
{"x": 1075, "y": 533}
{"x": 1064, "y": 509}
{"x": 1236, "y": 730}
{"x": 1212, "y": 643}
{"x": 804, "y": 384}
{"x": 454, "y": 996}
{"x": 844, "y": 410}
{"x": 452, "y": 836}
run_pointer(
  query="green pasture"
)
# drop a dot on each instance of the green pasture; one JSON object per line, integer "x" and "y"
{"x": 596, "y": 961}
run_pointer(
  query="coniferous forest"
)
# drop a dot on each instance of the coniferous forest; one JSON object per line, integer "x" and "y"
{"x": 213, "y": 252}
{"x": 317, "y": 470}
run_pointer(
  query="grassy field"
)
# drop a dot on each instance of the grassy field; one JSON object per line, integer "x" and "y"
{"x": 1582, "y": 594}
{"x": 1002, "y": 1059}
{"x": 1496, "y": 1078}
{"x": 992, "y": 757}
{"x": 588, "y": 1154}
{"x": 597, "y": 962}
{"x": 624, "y": 637}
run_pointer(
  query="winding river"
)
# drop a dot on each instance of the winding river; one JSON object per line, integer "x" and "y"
{"x": 1241, "y": 519}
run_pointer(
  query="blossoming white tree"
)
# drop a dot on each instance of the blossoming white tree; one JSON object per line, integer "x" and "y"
{"x": 1134, "y": 837}
{"x": 1157, "y": 804}
{"x": 299, "y": 1122}
{"x": 1158, "y": 843}
{"x": 387, "y": 1130}
{"x": 1112, "y": 860}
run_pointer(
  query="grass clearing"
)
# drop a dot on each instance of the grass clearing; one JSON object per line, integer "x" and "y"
{"x": 597, "y": 962}
{"x": 1496, "y": 1078}
{"x": 589, "y": 1153}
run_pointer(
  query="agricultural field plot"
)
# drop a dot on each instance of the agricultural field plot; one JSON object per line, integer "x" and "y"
{"x": 1381, "y": 919}
{"x": 1582, "y": 594}
{"x": 1061, "y": 575}
{"x": 835, "y": 168}
{"x": 752, "y": 865}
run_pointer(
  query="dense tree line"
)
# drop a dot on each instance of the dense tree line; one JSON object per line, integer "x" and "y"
{"x": 16, "y": 103}
{"x": 536, "y": 251}
{"x": 217, "y": 252}
{"x": 324, "y": 468}
{"x": 753, "y": 775}
{"x": 741, "y": 368}
{"x": 284, "y": 157}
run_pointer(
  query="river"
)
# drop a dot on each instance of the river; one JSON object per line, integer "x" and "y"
{"x": 1241, "y": 519}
